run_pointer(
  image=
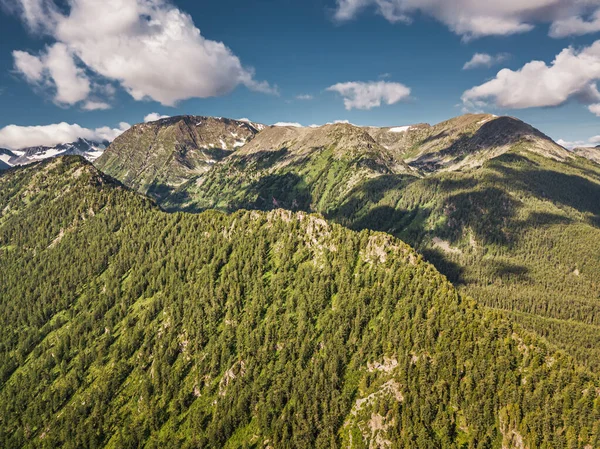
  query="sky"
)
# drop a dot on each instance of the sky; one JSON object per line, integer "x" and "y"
{"x": 90, "y": 68}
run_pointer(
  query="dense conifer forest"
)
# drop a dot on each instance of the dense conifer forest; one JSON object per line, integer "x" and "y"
{"x": 520, "y": 233}
{"x": 125, "y": 326}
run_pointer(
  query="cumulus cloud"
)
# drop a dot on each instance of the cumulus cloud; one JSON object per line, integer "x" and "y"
{"x": 472, "y": 19}
{"x": 292, "y": 124}
{"x": 95, "y": 106}
{"x": 485, "y": 60}
{"x": 595, "y": 109}
{"x": 572, "y": 75}
{"x": 304, "y": 97}
{"x": 154, "y": 116}
{"x": 576, "y": 26}
{"x": 592, "y": 141}
{"x": 361, "y": 95}
{"x": 15, "y": 137}
{"x": 149, "y": 47}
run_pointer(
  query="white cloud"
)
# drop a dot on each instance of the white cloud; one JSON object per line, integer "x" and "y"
{"x": 95, "y": 106}
{"x": 592, "y": 141}
{"x": 595, "y": 109}
{"x": 304, "y": 97}
{"x": 570, "y": 144}
{"x": 150, "y": 47}
{"x": 55, "y": 68}
{"x": 292, "y": 124}
{"x": 361, "y": 95}
{"x": 485, "y": 60}
{"x": 576, "y": 26}
{"x": 154, "y": 116}
{"x": 572, "y": 75}
{"x": 15, "y": 137}
{"x": 30, "y": 66}
{"x": 475, "y": 18}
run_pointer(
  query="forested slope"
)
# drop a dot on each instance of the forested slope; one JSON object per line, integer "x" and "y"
{"x": 518, "y": 233}
{"x": 124, "y": 326}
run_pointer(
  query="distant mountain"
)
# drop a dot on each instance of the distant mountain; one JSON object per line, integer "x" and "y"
{"x": 591, "y": 153}
{"x": 156, "y": 157}
{"x": 82, "y": 147}
{"x": 123, "y": 326}
{"x": 465, "y": 142}
{"x": 5, "y": 157}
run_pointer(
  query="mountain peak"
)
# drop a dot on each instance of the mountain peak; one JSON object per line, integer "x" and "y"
{"x": 466, "y": 141}
{"x": 591, "y": 153}
{"x": 157, "y": 156}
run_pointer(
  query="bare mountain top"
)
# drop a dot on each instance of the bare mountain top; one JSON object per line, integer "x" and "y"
{"x": 343, "y": 140}
{"x": 82, "y": 147}
{"x": 591, "y": 153}
{"x": 465, "y": 141}
{"x": 159, "y": 157}
{"x": 156, "y": 156}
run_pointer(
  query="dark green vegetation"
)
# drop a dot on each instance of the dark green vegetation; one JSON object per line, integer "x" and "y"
{"x": 515, "y": 224}
{"x": 124, "y": 326}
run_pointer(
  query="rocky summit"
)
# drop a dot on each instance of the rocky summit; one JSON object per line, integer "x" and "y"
{"x": 153, "y": 158}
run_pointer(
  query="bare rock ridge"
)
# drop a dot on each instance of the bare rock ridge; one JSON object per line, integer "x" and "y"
{"x": 155, "y": 157}
{"x": 591, "y": 153}
{"x": 158, "y": 157}
{"x": 465, "y": 142}
{"x": 90, "y": 150}
{"x": 344, "y": 141}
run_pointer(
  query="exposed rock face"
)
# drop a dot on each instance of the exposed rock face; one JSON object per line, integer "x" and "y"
{"x": 88, "y": 149}
{"x": 591, "y": 153}
{"x": 155, "y": 157}
{"x": 158, "y": 158}
{"x": 343, "y": 140}
{"x": 464, "y": 142}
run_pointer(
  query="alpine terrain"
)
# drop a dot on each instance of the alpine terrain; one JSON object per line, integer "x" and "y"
{"x": 511, "y": 217}
{"x": 125, "y": 326}
{"x": 82, "y": 147}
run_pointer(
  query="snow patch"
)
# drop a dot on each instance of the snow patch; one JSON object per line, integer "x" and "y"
{"x": 93, "y": 155}
{"x": 52, "y": 152}
{"x": 399, "y": 129}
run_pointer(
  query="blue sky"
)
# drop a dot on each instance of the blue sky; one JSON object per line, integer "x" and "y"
{"x": 291, "y": 48}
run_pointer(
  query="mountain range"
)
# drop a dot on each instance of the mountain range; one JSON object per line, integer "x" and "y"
{"x": 125, "y": 326}
{"x": 221, "y": 283}
{"x": 82, "y": 147}
{"x": 507, "y": 214}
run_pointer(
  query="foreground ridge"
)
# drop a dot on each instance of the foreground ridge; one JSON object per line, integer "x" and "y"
{"x": 124, "y": 326}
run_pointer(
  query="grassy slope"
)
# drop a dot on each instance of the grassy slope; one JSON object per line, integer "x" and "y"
{"x": 124, "y": 326}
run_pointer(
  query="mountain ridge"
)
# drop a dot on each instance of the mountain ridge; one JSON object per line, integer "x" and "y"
{"x": 268, "y": 329}
{"x": 89, "y": 149}
{"x": 591, "y": 153}
{"x": 172, "y": 150}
